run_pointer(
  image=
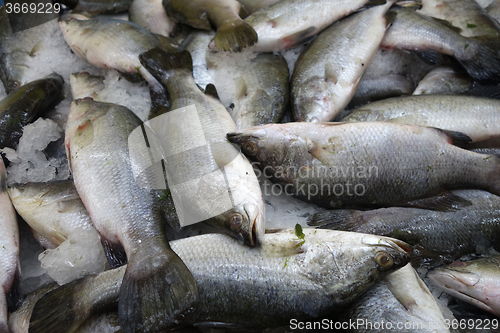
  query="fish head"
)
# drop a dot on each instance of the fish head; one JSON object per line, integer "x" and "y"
{"x": 476, "y": 282}
{"x": 245, "y": 222}
{"x": 267, "y": 144}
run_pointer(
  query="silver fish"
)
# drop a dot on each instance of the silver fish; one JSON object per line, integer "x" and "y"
{"x": 239, "y": 211}
{"x": 326, "y": 76}
{"x": 494, "y": 10}
{"x": 289, "y": 23}
{"x": 151, "y": 15}
{"x": 157, "y": 287}
{"x": 10, "y": 296}
{"x": 294, "y": 274}
{"x": 475, "y": 282}
{"x": 474, "y": 116}
{"x": 466, "y": 15}
{"x": 86, "y": 85}
{"x": 444, "y": 80}
{"x": 366, "y": 164}
{"x": 480, "y": 56}
{"x": 197, "y": 45}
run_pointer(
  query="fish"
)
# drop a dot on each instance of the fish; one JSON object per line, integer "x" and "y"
{"x": 402, "y": 301}
{"x": 113, "y": 44}
{"x": 11, "y": 294}
{"x": 480, "y": 56}
{"x": 233, "y": 34}
{"x": 367, "y": 164}
{"x": 444, "y": 80}
{"x": 25, "y": 104}
{"x": 261, "y": 87}
{"x": 475, "y": 282}
{"x": 225, "y": 191}
{"x": 289, "y": 23}
{"x": 494, "y": 10}
{"x": 251, "y": 6}
{"x": 473, "y": 116}
{"x": 86, "y": 85}
{"x": 197, "y": 45}
{"x": 296, "y": 273}
{"x": 465, "y": 15}
{"x": 151, "y": 15}
{"x": 55, "y": 211}
{"x": 98, "y": 6}
{"x": 437, "y": 238}
{"x": 157, "y": 288}
{"x": 326, "y": 75}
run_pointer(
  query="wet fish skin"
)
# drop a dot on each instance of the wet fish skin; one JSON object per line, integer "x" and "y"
{"x": 474, "y": 281}
{"x": 151, "y": 15}
{"x": 25, "y": 105}
{"x": 288, "y": 23}
{"x": 399, "y": 298}
{"x": 86, "y": 85}
{"x": 474, "y": 116}
{"x": 444, "y": 80}
{"x": 466, "y": 15}
{"x": 494, "y": 10}
{"x": 324, "y": 155}
{"x": 157, "y": 287}
{"x": 437, "y": 238}
{"x": 174, "y": 71}
{"x": 480, "y": 56}
{"x": 251, "y": 6}
{"x": 11, "y": 295}
{"x": 197, "y": 45}
{"x": 326, "y": 75}
{"x": 326, "y": 270}
{"x": 233, "y": 34}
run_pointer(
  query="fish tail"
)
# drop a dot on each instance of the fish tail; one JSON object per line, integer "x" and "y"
{"x": 235, "y": 36}
{"x": 14, "y": 295}
{"x": 340, "y": 219}
{"x": 160, "y": 64}
{"x": 158, "y": 291}
{"x": 481, "y": 59}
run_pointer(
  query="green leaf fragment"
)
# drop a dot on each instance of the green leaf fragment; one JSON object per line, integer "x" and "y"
{"x": 470, "y": 25}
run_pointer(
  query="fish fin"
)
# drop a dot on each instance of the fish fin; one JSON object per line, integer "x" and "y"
{"x": 241, "y": 88}
{"x": 298, "y": 37}
{"x": 429, "y": 57}
{"x": 444, "y": 202}
{"x": 243, "y": 12}
{"x": 339, "y": 219}
{"x": 15, "y": 296}
{"x": 447, "y": 24}
{"x": 273, "y": 230}
{"x": 210, "y": 90}
{"x": 485, "y": 91}
{"x": 458, "y": 139}
{"x": 55, "y": 311}
{"x": 115, "y": 253}
{"x": 235, "y": 36}
{"x": 158, "y": 291}
{"x": 159, "y": 102}
{"x": 167, "y": 43}
{"x": 330, "y": 74}
{"x": 132, "y": 77}
{"x": 390, "y": 16}
{"x": 160, "y": 63}
{"x": 184, "y": 12}
{"x": 481, "y": 59}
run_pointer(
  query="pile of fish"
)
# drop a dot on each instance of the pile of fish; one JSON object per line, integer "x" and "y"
{"x": 250, "y": 165}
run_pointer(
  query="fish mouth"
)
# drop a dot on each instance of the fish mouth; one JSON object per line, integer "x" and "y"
{"x": 391, "y": 243}
{"x": 256, "y": 230}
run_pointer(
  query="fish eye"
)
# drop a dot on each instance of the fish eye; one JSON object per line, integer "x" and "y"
{"x": 14, "y": 85}
{"x": 250, "y": 148}
{"x": 459, "y": 264}
{"x": 236, "y": 221}
{"x": 383, "y": 259}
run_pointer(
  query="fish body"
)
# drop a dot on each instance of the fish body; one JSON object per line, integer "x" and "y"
{"x": 327, "y": 75}
{"x": 86, "y": 85}
{"x": 475, "y": 282}
{"x": 364, "y": 164}
{"x": 287, "y": 277}
{"x": 151, "y": 15}
{"x": 157, "y": 287}
{"x": 444, "y": 80}
{"x": 401, "y": 299}
{"x": 233, "y": 34}
{"x": 466, "y": 15}
{"x": 437, "y": 237}
{"x": 203, "y": 188}
{"x": 474, "y": 116}
{"x": 480, "y": 56}
{"x": 24, "y": 105}
{"x": 288, "y": 23}
{"x": 197, "y": 45}
{"x": 10, "y": 295}
{"x": 56, "y": 213}
{"x": 251, "y": 6}
{"x": 494, "y": 10}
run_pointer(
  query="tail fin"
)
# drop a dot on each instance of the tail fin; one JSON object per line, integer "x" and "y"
{"x": 158, "y": 292}
{"x": 14, "y": 295}
{"x": 235, "y": 36}
{"x": 481, "y": 59}
{"x": 341, "y": 219}
{"x": 160, "y": 64}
